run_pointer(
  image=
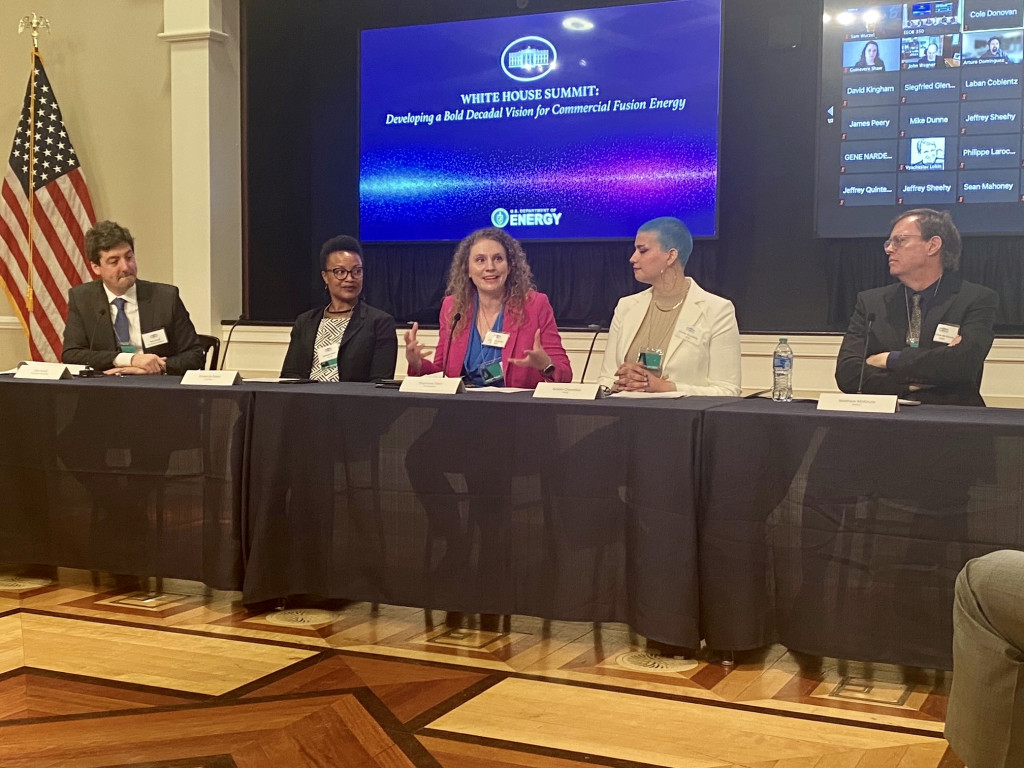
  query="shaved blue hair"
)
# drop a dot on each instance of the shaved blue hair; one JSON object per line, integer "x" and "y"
{"x": 671, "y": 233}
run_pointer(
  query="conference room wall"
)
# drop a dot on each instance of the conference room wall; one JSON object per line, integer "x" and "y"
{"x": 111, "y": 76}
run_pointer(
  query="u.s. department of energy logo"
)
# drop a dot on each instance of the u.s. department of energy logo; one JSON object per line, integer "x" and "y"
{"x": 526, "y": 217}
{"x": 499, "y": 217}
{"x": 528, "y": 58}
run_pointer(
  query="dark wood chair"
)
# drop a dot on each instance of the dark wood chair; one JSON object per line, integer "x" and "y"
{"x": 211, "y": 348}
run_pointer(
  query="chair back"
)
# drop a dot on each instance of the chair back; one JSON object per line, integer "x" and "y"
{"x": 211, "y": 348}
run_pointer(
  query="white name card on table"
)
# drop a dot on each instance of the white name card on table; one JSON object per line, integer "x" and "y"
{"x": 211, "y": 378}
{"x": 432, "y": 385}
{"x": 43, "y": 371}
{"x": 551, "y": 389}
{"x": 840, "y": 401}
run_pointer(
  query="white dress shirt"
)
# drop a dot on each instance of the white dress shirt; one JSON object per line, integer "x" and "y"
{"x": 131, "y": 309}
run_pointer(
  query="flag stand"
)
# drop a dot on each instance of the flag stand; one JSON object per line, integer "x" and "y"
{"x": 45, "y": 213}
{"x": 35, "y": 22}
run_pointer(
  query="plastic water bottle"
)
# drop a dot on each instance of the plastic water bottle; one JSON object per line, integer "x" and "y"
{"x": 782, "y": 373}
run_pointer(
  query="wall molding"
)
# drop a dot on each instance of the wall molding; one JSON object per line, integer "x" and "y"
{"x": 259, "y": 351}
{"x": 186, "y": 36}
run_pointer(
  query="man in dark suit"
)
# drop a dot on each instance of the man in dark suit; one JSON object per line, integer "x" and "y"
{"x": 121, "y": 324}
{"x": 931, "y": 331}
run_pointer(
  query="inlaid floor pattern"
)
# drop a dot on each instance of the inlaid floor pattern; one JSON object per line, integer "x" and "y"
{"x": 95, "y": 676}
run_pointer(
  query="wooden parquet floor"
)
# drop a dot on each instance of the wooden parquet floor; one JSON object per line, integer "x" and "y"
{"x": 94, "y": 676}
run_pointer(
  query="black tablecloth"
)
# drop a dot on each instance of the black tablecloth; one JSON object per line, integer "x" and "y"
{"x": 136, "y": 475}
{"x": 842, "y": 534}
{"x": 482, "y": 502}
{"x": 743, "y": 522}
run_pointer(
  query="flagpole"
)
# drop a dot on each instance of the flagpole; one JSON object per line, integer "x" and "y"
{"x": 35, "y": 22}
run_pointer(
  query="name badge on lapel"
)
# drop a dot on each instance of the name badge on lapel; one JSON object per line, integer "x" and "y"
{"x": 328, "y": 356}
{"x": 154, "y": 338}
{"x": 496, "y": 339}
{"x": 945, "y": 333}
{"x": 689, "y": 333}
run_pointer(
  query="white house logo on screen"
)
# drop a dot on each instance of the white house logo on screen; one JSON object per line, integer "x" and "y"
{"x": 528, "y": 58}
{"x": 526, "y": 217}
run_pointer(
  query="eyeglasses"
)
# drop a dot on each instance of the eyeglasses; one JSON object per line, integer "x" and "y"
{"x": 340, "y": 273}
{"x": 896, "y": 241}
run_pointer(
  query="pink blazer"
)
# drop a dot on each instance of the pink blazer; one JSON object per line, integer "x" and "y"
{"x": 537, "y": 314}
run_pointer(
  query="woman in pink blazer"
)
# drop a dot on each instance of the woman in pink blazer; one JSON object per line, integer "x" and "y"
{"x": 496, "y": 328}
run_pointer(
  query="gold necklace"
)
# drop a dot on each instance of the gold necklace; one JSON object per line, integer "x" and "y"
{"x": 675, "y": 306}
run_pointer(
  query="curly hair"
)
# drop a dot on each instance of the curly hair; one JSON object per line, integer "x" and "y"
{"x": 105, "y": 235}
{"x": 518, "y": 284}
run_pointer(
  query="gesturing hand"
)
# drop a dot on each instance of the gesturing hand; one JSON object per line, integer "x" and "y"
{"x": 413, "y": 350}
{"x": 534, "y": 358}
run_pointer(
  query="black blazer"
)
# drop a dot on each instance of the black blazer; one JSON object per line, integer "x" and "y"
{"x": 953, "y": 373}
{"x": 368, "y": 351}
{"x": 89, "y": 333}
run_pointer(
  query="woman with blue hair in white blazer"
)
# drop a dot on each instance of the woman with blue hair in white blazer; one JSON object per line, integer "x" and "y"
{"x": 675, "y": 336}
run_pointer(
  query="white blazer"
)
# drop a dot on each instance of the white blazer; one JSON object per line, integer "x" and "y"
{"x": 703, "y": 355}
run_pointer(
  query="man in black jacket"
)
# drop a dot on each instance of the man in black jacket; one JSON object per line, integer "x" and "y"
{"x": 122, "y": 324}
{"x": 931, "y": 331}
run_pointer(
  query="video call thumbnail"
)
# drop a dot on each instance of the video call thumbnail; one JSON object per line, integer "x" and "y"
{"x": 869, "y": 122}
{"x": 992, "y": 14}
{"x": 934, "y": 190}
{"x": 868, "y": 190}
{"x": 993, "y": 47}
{"x": 981, "y": 152}
{"x": 871, "y": 56}
{"x": 931, "y": 18}
{"x": 1001, "y": 83}
{"x": 994, "y": 186}
{"x": 930, "y": 52}
{"x": 941, "y": 119}
{"x": 872, "y": 156}
{"x": 923, "y": 86}
{"x": 927, "y": 153}
{"x": 987, "y": 117}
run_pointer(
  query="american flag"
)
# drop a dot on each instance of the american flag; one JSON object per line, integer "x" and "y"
{"x": 61, "y": 214}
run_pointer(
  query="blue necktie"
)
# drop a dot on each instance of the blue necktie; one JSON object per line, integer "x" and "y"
{"x": 121, "y": 323}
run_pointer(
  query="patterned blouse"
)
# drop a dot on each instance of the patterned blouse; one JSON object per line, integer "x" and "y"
{"x": 325, "y": 348}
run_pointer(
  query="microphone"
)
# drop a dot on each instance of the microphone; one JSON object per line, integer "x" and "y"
{"x": 864, "y": 357}
{"x": 597, "y": 330}
{"x": 104, "y": 312}
{"x": 224, "y": 357}
{"x": 448, "y": 346}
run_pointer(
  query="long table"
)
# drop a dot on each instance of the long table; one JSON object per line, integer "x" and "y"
{"x": 841, "y": 534}
{"x": 133, "y": 475}
{"x": 484, "y": 502}
{"x": 739, "y": 522}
